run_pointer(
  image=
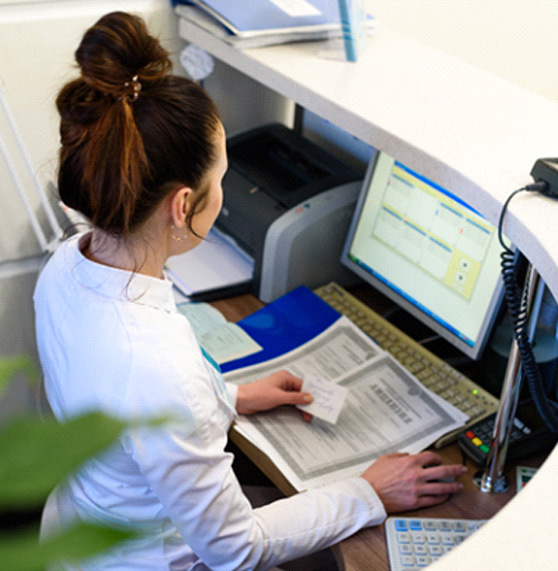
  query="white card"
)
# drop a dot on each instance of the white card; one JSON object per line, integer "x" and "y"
{"x": 328, "y": 398}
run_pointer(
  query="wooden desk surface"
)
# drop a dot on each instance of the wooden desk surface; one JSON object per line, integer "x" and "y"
{"x": 237, "y": 308}
{"x": 367, "y": 550}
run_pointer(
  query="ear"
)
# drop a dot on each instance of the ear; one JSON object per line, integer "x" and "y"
{"x": 180, "y": 205}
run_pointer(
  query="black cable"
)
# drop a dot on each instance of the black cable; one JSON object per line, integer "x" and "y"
{"x": 517, "y": 305}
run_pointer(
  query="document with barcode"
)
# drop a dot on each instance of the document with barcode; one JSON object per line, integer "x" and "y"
{"x": 386, "y": 410}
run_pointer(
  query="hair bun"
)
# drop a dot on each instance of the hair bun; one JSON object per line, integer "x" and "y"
{"x": 117, "y": 51}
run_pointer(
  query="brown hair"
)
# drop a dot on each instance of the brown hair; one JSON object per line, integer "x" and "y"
{"x": 130, "y": 131}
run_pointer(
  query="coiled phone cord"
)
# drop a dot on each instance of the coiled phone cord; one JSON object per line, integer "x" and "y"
{"x": 517, "y": 305}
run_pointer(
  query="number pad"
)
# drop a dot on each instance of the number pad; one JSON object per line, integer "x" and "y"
{"x": 415, "y": 543}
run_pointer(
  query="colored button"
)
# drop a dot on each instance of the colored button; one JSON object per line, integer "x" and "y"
{"x": 400, "y": 525}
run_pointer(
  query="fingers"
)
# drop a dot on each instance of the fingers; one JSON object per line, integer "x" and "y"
{"x": 291, "y": 386}
{"x": 427, "y": 501}
{"x": 442, "y": 488}
{"x": 286, "y": 380}
{"x": 438, "y": 484}
{"x": 428, "y": 458}
{"x": 296, "y": 398}
{"x": 444, "y": 472}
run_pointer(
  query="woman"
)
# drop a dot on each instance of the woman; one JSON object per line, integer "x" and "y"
{"x": 142, "y": 157}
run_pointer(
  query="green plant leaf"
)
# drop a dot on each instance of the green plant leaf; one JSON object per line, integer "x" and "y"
{"x": 22, "y": 551}
{"x": 37, "y": 454}
{"x": 10, "y": 366}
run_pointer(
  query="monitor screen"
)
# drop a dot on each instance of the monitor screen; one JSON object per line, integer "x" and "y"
{"x": 427, "y": 250}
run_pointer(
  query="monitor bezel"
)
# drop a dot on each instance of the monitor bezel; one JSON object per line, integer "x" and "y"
{"x": 475, "y": 351}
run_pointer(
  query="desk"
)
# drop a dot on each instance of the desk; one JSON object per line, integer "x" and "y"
{"x": 367, "y": 549}
{"x": 471, "y": 132}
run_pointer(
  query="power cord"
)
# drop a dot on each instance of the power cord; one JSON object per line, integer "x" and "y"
{"x": 517, "y": 306}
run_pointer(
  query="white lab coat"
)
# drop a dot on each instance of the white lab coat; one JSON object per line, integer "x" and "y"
{"x": 113, "y": 341}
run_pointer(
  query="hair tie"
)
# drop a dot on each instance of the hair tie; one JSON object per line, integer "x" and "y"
{"x": 133, "y": 93}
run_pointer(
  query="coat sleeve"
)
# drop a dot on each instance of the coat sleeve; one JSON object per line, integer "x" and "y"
{"x": 193, "y": 479}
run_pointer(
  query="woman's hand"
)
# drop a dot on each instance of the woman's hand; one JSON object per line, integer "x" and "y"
{"x": 406, "y": 482}
{"x": 276, "y": 390}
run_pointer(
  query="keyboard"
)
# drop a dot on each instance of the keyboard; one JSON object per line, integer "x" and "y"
{"x": 414, "y": 543}
{"x": 430, "y": 370}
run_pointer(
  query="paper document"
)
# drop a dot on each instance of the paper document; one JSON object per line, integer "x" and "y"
{"x": 329, "y": 398}
{"x": 215, "y": 264}
{"x": 223, "y": 340}
{"x": 386, "y": 410}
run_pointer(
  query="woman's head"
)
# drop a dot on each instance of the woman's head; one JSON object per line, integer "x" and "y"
{"x": 131, "y": 132}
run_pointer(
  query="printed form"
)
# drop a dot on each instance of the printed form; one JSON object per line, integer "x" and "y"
{"x": 386, "y": 410}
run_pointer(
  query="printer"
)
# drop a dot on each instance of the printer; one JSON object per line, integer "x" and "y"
{"x": 288, "y": 204}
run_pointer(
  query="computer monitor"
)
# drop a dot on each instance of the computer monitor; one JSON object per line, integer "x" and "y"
{"x": 427, "y": 250}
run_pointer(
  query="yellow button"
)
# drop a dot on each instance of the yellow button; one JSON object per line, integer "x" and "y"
{"x": 477, "y": 441}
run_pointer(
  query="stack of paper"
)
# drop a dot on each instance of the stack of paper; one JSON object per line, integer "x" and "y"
{"x": 246, "y": 24}
{"x": 386, "y": 410}
{"x": 213, "y": 269}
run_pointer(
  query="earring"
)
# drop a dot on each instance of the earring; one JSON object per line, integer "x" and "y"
{"x": 178, "y": 238}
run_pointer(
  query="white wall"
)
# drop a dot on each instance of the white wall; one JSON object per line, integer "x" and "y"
{"x": 37, "y": 42}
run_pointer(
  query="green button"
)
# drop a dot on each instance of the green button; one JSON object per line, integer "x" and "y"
{"x": 485, "y": 448}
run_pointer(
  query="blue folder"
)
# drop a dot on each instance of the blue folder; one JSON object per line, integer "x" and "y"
{"x": 285, "y": 324}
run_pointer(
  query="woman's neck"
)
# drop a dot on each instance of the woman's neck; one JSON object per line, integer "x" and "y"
{"x": 135, "y": 253}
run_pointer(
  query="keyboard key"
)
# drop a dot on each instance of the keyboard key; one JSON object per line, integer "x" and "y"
{"x": 432, "y": 539}
{"x": 415, "y": 525}
{"x": 405, "y": 549}
{"x": 447, "y": 539}
{"x": 436, "y": 550}
{"x": 401, "y": 525}
{"x": 444, "y": 525}
{"x": 403, "y": 537}
{"x": 459, "y": 526}
{"x": 407, "y": 561}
